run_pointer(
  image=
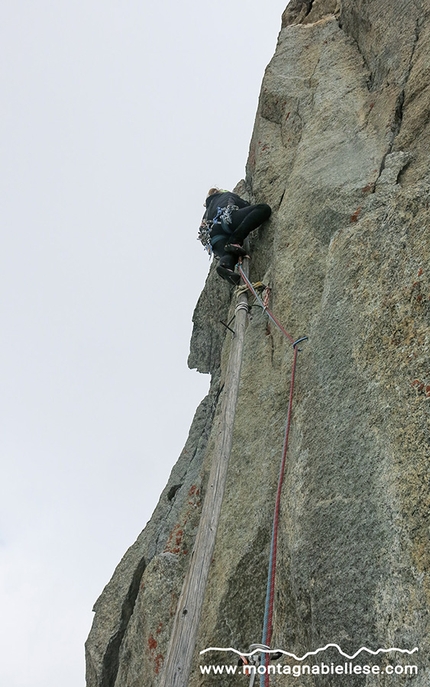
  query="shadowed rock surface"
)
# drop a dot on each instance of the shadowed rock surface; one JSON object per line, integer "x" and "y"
{"x": 340, "y": 150}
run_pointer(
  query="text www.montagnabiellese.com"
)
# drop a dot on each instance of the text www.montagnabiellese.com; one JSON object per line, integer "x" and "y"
{"x": 304, "y": 669}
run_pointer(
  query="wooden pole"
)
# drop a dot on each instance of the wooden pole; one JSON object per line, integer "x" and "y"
{"x": 180, "y": 652}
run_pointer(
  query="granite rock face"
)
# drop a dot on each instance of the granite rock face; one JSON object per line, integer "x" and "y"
{"x": 340, "y": 150}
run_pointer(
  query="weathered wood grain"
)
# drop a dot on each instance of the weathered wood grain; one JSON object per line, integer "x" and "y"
{"x": 182, "y": 642}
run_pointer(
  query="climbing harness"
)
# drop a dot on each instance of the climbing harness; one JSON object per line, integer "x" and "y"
{"x": 223, "y": 216}
{"x": 223, "y": 219}
{"x": 271, "y": 578}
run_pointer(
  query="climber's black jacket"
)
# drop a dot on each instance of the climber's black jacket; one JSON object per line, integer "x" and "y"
{"x": 221, "y": 200}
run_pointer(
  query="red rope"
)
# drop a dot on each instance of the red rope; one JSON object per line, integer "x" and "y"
{"x": 274, "y": 549}
{"x": 270, "y": 595}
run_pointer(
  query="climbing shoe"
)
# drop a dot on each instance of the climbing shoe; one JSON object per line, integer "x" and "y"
{"x": 236, "y": 249}
{"x": 228, "y": 275}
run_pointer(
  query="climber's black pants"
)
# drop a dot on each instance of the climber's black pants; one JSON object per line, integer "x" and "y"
{"x": 243, "y": 221}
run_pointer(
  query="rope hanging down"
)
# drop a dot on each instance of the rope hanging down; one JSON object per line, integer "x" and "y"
{"x": 271, "y": 578}
{"x": 270, "y": 591}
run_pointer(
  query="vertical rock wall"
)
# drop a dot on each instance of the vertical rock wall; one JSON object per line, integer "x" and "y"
{"x": 340, "y": 150}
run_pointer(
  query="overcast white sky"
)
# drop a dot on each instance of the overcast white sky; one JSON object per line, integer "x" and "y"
{"x": 116, "y": 119}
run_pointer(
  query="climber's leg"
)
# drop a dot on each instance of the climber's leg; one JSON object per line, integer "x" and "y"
{"x": 247, "y": 219}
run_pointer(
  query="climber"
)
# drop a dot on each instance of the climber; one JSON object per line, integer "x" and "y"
{"x": 225, "y": 225}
